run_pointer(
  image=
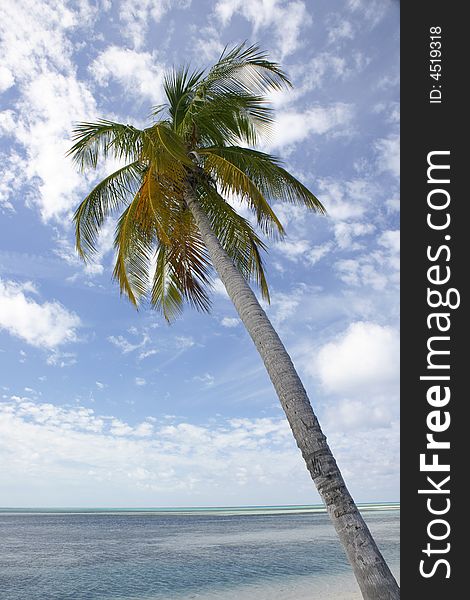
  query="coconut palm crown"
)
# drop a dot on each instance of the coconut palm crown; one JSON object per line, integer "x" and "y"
{"x": 201, "y": 139}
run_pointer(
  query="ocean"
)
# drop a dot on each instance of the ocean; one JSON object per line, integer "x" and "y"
{"x": 267, "y": 553}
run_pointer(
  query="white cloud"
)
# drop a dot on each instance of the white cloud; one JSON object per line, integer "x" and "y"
{"x": 11, "y": 174}
{"x": 363, "y": 271}
{"x": 318, "y": 252}
{"x": 138, "y": 73}
{"x": 140, "y": 381}
{"x": 54, "y": 448}
{"x": 292, "y": 249}
{"x": 136, "y": 16}
{"x": 390, "y": 111}
{"x": 183, "y": 342}
{"x": 230, "y": 322}
{"x": 36, "y": 49}
{"x": 292, "y": 127}
{"x": 372, "y": 11}
{"x": 45, "y": 325}
{"x": 346, "y": 232}
{"x": 286, "y": 19}
{"x": 325, "y": 66}
{"x": 363, "y": 358}
{"x": 62, "y": 443}
{"x": 32, "y": 33}
{"x": 6, "y": 79}
{"x": 346, "y": 200}
{"x": 378, "y": 267}
{"x": 61, "y": 359}
{"x": 147, "y": 353}
{"x": 284, "y": 305}
{"x": 341, "y": 29}
{"x": 388, "y": 154}
{"x": 207, "y": 42}
{"x": 125, "y": 345}
{"x": 366, "y": 415}
{"x": 207, "y": 379}
{"x": 54, "y": 102}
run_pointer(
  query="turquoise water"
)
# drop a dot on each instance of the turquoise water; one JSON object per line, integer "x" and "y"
{"x": 181, "y": 554}
{"x": 195, "y": 510}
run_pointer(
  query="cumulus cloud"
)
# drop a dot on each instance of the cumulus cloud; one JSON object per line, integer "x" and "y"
{"x": 146, "y": 457}
{"x": 35, "y": 47}
{"x": 365, "y": 357}
{"x": 52, "y": 447}
{"x": 138, "y": 73}
{"x": 6, "y": 79}
{"x": 45, "y": 325}
{"x": 348, "y": 415}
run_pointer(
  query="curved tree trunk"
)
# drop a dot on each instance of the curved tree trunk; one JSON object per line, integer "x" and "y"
{"x": 372, "y": 573}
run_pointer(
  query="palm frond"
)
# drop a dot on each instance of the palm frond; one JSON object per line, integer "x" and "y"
{"x": 247, "y": 69}
{"x": 179, "y": 87}
{"x": 236, "y": 236}
{"x": 231, "y": 118}
{"x": 164, "y": 147}
{"x": 134, "y": 242}
{"x": 267, "y": 174}
{"x": 166, "y": 296}
{"x": 183, "y": 269}
{"x": 104, "y": 138}
{"x": 232, "y": 179}
{"x": 242, "y": 74}
{"x": 105, "y": 198}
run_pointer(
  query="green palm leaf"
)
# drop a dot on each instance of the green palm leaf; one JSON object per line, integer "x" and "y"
{"x": 267, "y": 174}
{"x": 236, "y": 236}
{"x": 104, "y": 138}
{"x": 107, "y": 197}
{"x": 233, "y": 180}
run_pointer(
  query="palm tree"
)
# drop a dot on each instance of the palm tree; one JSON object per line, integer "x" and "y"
{"x": 176, "y": 226}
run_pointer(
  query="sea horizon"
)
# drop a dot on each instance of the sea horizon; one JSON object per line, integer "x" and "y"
{"x": 196, "y": 509}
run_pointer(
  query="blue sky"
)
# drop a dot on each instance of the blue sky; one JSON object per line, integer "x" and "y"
{"x": 103, "y": 405}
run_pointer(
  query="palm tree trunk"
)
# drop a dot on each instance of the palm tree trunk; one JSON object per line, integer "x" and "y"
{"x": 372, "y": 573}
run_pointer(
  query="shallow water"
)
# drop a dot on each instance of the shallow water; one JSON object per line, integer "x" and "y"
{"x": 155, "y": 556}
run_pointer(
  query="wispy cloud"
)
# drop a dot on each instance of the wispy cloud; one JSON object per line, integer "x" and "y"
{"x": 286, "y": 19}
